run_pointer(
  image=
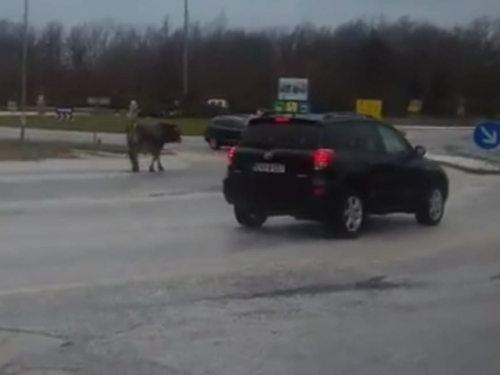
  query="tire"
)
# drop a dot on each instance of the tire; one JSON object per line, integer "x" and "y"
{"x": 249, "y": 218}
{"x": 431, "y": 210}
{"x": 213, "y": 143}
{"x": 349, "y": 216}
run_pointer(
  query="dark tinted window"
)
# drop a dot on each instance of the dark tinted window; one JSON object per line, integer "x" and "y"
{"x": 225, "y": 122}
{"x": 392, "y": 140}
{"x": 239, "y": 122}
{"x": 216, "y": 122}
{"x": 231, "y": 122}
{"x": 290, "y": 136}
{"x": 354, "y": 136}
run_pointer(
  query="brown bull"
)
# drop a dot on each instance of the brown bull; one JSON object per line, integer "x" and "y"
{"x": 150, "y": 138}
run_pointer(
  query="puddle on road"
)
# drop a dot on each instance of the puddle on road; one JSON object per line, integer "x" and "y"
{"x": 375, "y": 284}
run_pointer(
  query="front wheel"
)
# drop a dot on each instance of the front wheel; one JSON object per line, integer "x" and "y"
{"x": 431, "y": 211}
{"x": 249, "y": 218}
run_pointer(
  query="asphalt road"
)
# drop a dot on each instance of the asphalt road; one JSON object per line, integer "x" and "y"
{"x": 104, "y": 272}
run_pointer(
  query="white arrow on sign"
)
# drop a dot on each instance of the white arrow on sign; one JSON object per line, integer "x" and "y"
{"x": 489, "y": 138}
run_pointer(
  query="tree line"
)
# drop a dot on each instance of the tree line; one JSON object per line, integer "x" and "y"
{"x": 393, "y": 61}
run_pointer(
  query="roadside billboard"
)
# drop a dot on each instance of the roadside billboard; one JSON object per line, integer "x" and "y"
{"x": 293, "y": 89}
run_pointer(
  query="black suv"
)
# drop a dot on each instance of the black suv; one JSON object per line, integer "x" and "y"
{"x": 225, "y": 130}
{"x": 333, "y": 170}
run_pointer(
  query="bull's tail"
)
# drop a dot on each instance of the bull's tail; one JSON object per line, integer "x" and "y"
{"x": 132, "y": 146}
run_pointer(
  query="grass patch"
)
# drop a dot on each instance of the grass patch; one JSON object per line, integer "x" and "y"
{"x": 98, "y": 123}
{"x": 29, "y": 150}
{"x": 14, "y": 150}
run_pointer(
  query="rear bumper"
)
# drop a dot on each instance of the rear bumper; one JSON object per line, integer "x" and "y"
{"x": 304, "y": 202}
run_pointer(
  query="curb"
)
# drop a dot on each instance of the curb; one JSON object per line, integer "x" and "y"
{"x": 488, "y": 169}
{"x": 434, "y": 127}
{"x": 476, "y": 171}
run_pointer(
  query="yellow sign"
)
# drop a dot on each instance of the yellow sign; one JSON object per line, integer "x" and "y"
{"x": 369, "y": 107}
{"x": 291, "y": 107}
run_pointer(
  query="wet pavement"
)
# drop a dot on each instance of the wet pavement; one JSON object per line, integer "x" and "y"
{"x": 105, "y": 272}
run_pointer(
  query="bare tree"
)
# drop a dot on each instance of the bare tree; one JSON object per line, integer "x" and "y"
{"x": 395, "y": 61}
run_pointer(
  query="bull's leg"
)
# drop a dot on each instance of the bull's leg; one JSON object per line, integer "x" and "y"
{"x": 135, "y": 166}
{"x": 158, "y": 163}
{"x": 152, "y": 165}
{"x": 156, "y": 158}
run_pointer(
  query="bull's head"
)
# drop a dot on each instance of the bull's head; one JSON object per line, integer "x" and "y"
{"x": 171, "y": 133}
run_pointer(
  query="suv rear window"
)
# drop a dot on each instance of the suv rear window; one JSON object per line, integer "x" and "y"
{"x": 305, "y": 136}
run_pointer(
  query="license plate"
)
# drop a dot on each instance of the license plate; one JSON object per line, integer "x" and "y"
{"x": 269, "y": 168}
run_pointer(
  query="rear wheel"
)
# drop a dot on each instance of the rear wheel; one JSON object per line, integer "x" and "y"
{"x": 349, "y": 216}
{"x": 249, "y": 218}
{"x": 431, "y": 210}
{"x": 213, "y": 143}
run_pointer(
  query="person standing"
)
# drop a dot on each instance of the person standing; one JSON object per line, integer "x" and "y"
{"x": 133, "y": 152}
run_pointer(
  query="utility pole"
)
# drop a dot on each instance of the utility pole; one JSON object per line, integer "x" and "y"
{"x": 24, "y": 68}
{"x": 185, "y": 65}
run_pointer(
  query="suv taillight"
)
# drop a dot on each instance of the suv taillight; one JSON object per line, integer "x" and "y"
{"x": 323, "y": 158}
{"x": 231, "y": 154}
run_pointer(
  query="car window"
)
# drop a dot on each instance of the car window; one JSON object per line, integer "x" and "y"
{"x": 228, "y": 123}
{"x": 354, "y": 136}
{"x": 224, "y": 122}
{"x": 393, "y": 142}
{"x": 216, "y": 122}
{"x": 239, "y": 122}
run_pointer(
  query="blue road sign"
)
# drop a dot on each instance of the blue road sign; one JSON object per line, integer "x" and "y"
{"x": 487, "y": 135}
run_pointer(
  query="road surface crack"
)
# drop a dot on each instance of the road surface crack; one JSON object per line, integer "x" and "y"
{"x": 373, "y": 284}
{"x": 31, "y": 332}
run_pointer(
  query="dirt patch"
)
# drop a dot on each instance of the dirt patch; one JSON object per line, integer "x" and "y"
{"x": 14, "y": 150}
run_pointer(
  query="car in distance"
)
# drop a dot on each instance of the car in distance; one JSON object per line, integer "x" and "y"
{"x": 334, "y": 170}
{"x": 225, "y": 130}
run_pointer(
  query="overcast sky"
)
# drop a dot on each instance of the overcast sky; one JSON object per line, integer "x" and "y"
{"x": 250, "y": 13}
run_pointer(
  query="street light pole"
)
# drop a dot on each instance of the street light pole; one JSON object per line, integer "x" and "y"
{"x": 24, "y": 68}
{"x": 185, "y": 67}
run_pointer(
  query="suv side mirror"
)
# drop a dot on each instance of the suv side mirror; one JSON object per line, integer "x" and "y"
{"x": 420, "y": 151}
